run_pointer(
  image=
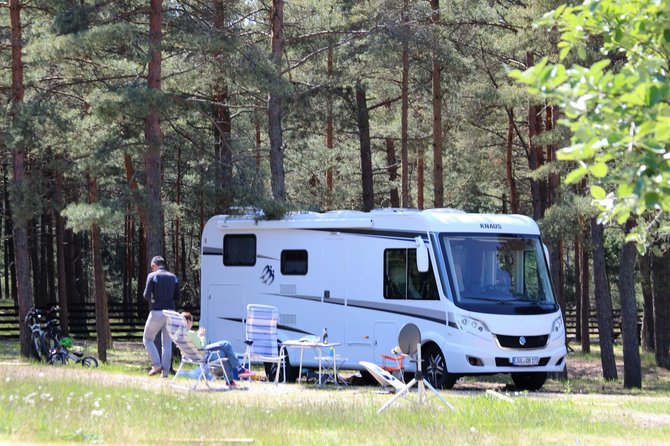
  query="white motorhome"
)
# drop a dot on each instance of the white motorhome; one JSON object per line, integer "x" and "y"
{"x": 477, "y": 286}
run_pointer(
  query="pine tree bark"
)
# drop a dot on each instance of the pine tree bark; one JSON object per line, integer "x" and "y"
{"x": 101, "y": 310}
{"x": 392, "y": 170}
{"x": 153, "y": 222}
{"x": 363, "y": 120}
{"x": 275, "y": 105}
{"x": 648, "y": 302}
{"x": 578, "y": 290}
{"x": 660, "y": 270}
{"x": 509, "y": 163}
{"x": 438, "y": 165}
{"x": 60, "y": 251}
{"x": 21, "y": 248}
{"x": 603, "y": 302}
{"x": 534, "y": 161}
{"x": 632, "y": 369}
{"x": 585, "y": 295}
{"x": 329, "y": 131}
{"x": 404, "y": 109}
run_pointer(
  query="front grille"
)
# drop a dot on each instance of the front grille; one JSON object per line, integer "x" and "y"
{"x": 528, "y": 342}
{"x": 506, "y": 362}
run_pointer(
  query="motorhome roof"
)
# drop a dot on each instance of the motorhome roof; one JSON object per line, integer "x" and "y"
{"x": 431, "y": 220}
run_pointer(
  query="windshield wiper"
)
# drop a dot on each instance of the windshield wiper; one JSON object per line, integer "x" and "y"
{"x": 487, "y": 299}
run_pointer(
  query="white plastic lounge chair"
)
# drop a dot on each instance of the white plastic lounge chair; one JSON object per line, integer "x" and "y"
{"x": 261, "y": 332}
{"x": 205, "y": 359}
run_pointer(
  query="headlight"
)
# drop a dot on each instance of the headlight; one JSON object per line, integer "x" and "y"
{"x": 472, "y": 326}
{"x": 557, "y": 327}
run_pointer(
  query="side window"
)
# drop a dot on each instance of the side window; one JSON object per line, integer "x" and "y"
{"x": 294, "y": 262}
{"x": 239, "y": 250}
{"x": 403, "y": 281}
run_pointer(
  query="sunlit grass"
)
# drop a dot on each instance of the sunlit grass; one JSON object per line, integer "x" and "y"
{"x": 119, "y": 404}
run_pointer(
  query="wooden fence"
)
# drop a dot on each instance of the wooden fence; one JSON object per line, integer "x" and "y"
{"x": 127, "y": 324}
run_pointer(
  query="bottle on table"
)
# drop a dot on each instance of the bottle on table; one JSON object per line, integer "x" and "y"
{"x": 324, "y": 339}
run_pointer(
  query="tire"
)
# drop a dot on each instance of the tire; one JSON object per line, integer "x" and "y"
{"x": 57, "y": 358}
{"x": 89, "y": 361}
{"x": 37, "y": 345}
{"x": 50, "y": 342}
{"x": 434, "y": 368}
{"x": 530, "y": 381}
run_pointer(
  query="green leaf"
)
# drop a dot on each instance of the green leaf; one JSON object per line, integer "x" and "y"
{"x": 598, "y": 192}
{"x": 598, "y": 170}
{"x": 576, "y": 175}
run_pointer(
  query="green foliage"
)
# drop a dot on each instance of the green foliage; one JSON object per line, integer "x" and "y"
{"x": 617, "y": 108}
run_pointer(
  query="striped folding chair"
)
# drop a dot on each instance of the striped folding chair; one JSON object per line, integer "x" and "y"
{"x": 261, "y": 338}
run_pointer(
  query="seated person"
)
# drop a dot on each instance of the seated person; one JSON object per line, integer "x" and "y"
{"x": 225, "y": 349}
{"x": 400, "y": 287}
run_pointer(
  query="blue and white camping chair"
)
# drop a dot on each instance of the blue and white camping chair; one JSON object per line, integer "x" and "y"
{"x": 205, "y": 359}
{"x": 261, "y": 339}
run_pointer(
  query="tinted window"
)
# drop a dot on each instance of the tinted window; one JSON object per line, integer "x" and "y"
{"x": 294, "y": 262}
{"x": 239, "y": 250}
{"x": 403, "y": 281}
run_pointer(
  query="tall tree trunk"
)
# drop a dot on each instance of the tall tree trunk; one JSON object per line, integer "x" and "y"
{"x": 509, "y": 163}
{"x": 60, "y": 250}
{"x": 21, "y": 249}
{"x": 660, "y": 270}
{"x": 603, "y": 302}
{"x": 534, "y": 162}
{"x": 275, "y": 105}
{"x": 632, "y": 369}
{"x": 648, "y": 302}
{"x": 101, "y": 310}
{"x": 8, "y": 244}
{"x": 224, "y": 154}
{"x": 392, "y": 170}
{"x": 419, "y": 177}
{"x": 33, "y": 254}
{"x": 153, "y": 223}
{"x": 578, "y": 290}
{"x": 586, "y": 297}
{"x": 438, "y": 166}
{"x": 329, "y": 131}
{"x": 177, "y": 220}
{"x": 404, "y": 109}
{"x": 50, "y": 255}
{"x": 366, "y": 150}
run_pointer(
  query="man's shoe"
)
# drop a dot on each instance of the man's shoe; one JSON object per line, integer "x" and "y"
{"x": 164, "y": 375}
{"x": 155, "y": 371}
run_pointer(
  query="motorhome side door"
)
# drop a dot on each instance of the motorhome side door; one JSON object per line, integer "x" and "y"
{"x": 334, "y": 293}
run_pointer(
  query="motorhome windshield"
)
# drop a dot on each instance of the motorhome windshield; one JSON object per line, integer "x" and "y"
{"x": 502, "y": 274}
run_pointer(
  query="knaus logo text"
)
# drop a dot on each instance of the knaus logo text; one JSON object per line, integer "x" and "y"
{"x": 490, "y": 226}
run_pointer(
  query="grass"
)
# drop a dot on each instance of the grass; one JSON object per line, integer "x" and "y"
{"x": 118, "y": 404}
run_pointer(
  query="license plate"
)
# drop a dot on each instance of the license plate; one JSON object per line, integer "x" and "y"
{"x": 525, "y": 361}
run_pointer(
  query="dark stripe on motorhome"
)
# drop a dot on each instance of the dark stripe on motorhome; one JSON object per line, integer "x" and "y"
{"x": 392, "y": 235}
{"x": 279, "y": 326}
{"x": 429, "y": 315}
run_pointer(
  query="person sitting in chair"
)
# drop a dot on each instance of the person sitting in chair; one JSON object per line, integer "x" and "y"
{"x": 401, "y": 288}
{"x": 225, "y": 349}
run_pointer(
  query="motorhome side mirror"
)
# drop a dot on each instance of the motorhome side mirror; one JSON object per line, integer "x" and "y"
{"x": 421, "y": 255}
{"x": 546, "y": 255}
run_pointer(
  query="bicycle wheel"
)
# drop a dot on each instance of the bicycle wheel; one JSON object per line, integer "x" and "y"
{"x": 37, "y": 345}
{"x": 57, "y": 358}
{"x": 51, "y": 341}
{"x": 89, "y": 361}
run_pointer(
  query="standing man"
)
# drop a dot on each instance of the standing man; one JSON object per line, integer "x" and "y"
{"x": 162, "y": 291}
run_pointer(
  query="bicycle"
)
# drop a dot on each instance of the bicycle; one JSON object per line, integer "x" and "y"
{"x": 51, "y": 335}
{"x": 33, "y": 321}
{"x": 62, "y": 355}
